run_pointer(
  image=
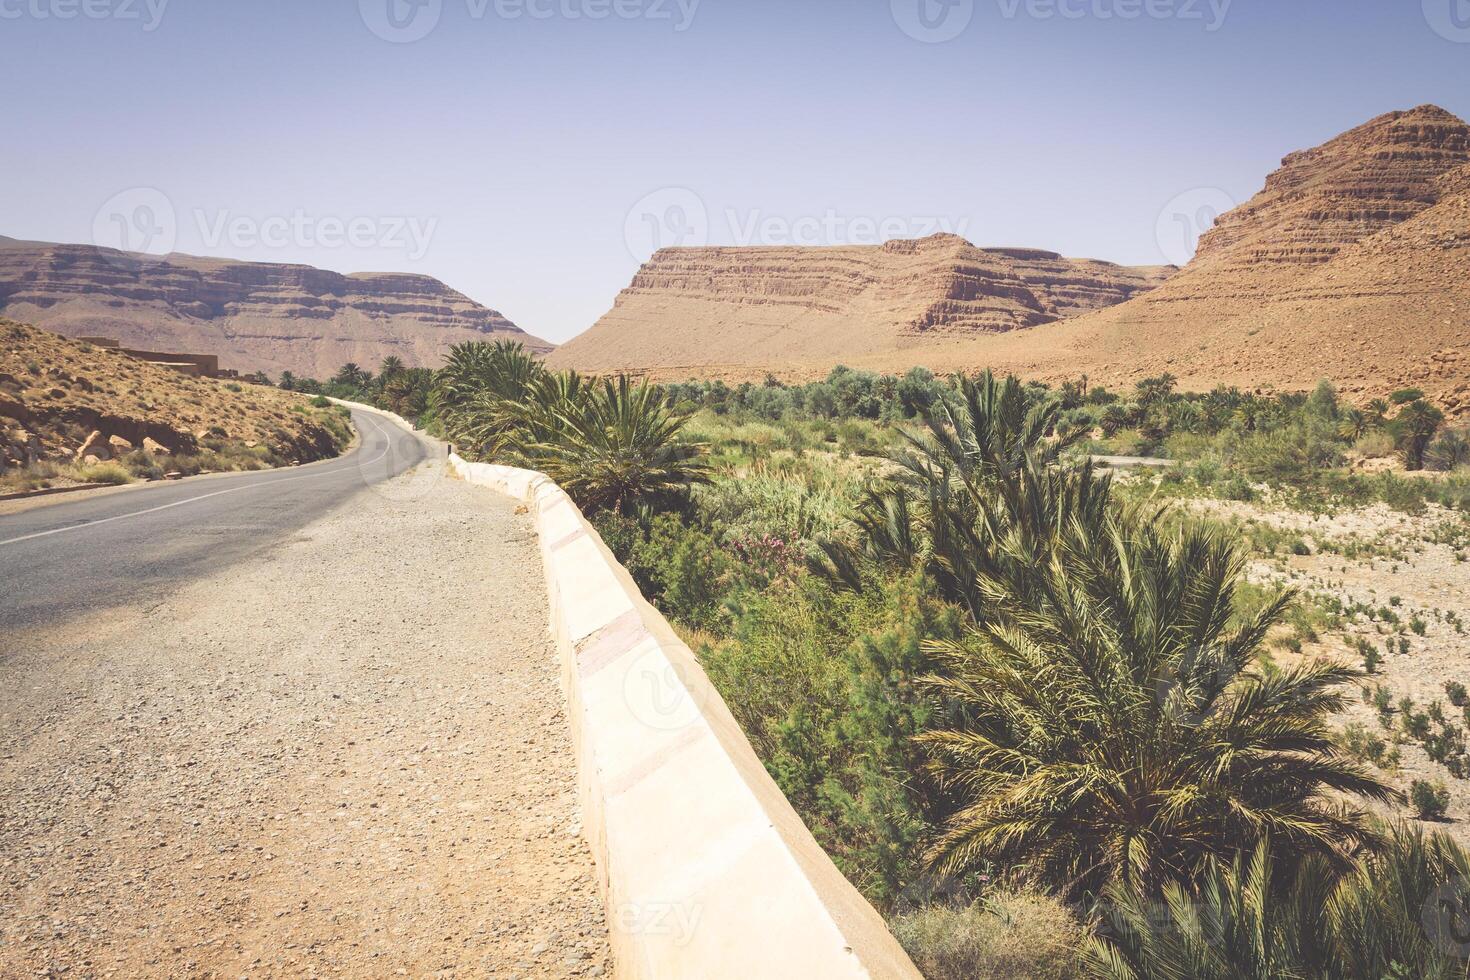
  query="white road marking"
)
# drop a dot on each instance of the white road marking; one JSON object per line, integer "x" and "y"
{"x": 203, "y": 496}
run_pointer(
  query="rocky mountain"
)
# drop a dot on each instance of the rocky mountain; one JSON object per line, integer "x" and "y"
{"x": 1353, "y": 264}
{"x": 254, "y": 315}
{"x": 734, "y": 310}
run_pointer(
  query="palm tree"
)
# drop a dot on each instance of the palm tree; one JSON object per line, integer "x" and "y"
{"x": 477, "y": 390}
{"x": 1114, "y": 726}
{"x": 1398, "y": 914}
{"x": 1413, "y": 428}
{"x": 987, "y": 444}
{"x": 611, "y": 445}
{"x": 352, "y": 376}
{"x": 1353, "y": 424}
{"x": 391, "y": 366}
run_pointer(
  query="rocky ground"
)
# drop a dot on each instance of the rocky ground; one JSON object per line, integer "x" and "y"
{"x": 346, "y": 757}
{"x": 1413, "y": 573}
{"x": 66, "y": 402}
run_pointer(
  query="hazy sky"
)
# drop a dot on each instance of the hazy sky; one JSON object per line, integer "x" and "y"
{"x": 530, "y": 153}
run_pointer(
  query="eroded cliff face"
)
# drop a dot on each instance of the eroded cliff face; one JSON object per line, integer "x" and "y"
{"x": 1326, "y": 199}
{"x": 1353, "y": 264}
{"x": 256, "y": 316}
{"x": 769, "y": 307}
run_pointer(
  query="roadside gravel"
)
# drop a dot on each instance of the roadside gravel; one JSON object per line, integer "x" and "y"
{"x": 344, "y": 756}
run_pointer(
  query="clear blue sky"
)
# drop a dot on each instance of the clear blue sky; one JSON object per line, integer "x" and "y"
{"x": 508, "y": 154}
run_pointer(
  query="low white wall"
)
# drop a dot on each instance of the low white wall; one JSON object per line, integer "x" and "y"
{"x": 706, "y": 870}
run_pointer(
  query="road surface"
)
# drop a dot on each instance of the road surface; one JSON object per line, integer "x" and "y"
{"x": 303, "y": 723}
{"x": 71, "y": 556}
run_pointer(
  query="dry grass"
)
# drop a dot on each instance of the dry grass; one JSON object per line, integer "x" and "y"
{"x": 1009, "y": 934}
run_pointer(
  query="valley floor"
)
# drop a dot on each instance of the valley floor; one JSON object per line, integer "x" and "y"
{"x": 346, "y": 755}
{"x": 1413, "y": 572}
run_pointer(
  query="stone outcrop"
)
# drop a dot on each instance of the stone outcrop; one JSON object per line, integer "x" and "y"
{"x": 770, "y": 307}
{"x": 254, "y": 315}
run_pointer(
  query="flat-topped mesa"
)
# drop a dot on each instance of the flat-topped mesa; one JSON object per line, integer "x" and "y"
{"x": 255, "y": 315}
{"x": 767, "y": 306}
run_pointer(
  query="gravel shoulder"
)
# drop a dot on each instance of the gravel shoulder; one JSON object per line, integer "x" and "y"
{"x": 346, "y": 755}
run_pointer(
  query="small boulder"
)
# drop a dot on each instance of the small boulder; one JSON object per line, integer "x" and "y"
{"x": 156, "y": 448}
{"x": 95, "y": 445}
{"x": 119, "y": 445}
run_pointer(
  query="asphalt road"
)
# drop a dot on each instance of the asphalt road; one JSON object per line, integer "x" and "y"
{"x": 82, "y": 555}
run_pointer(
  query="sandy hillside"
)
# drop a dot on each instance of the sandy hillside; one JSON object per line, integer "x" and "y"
{"x": 61, "y": 400}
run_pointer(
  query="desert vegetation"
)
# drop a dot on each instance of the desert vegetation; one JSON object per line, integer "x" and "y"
{"x": 1053, "y": 720}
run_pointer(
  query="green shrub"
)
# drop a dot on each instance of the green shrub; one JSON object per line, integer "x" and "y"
{"x": 1430, "y": 800}
{"x": 680, "y": 569}
{"x": 1009, "y": 934}
{"x": 1238, "y": 488}
{"x": 823, "y": 682}
{"x": 321, "y": 401}
{"x": 1292, "y": 455}
{"x": 143, "y": 465}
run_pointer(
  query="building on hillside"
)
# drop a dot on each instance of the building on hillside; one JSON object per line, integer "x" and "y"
{"x": 194, "y": 365}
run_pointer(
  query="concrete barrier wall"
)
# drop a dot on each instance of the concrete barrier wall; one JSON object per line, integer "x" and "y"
{"x": 706, "y": 870}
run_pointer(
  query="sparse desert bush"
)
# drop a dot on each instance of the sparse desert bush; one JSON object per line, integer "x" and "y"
{"x": 112, "y": 473}
{"x": 143, "y": 465}
{"x": 1430, "y": 800}
{"x": 1008, "y": 934}
{"x": 321, "y": 401}
{"x": 1376, "y": 444}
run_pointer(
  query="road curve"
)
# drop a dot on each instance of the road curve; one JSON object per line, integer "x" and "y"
{"x": 68, "y": 558}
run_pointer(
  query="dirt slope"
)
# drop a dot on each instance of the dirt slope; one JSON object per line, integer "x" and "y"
{"x": 256, "y": 316}
{"x": 63, "y": 400}
{"x": 714, "y": 309}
